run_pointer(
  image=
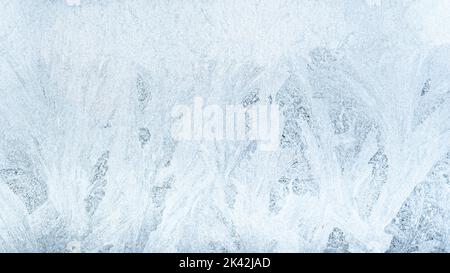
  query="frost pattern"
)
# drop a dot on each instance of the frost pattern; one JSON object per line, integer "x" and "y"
{"x": 88, "y": 162}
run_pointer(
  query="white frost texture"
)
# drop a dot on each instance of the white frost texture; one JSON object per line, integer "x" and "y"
{"x": 88, "y": 162}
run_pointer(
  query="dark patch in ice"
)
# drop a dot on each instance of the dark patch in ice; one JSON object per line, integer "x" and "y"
{"x": 426, "y": 88}
{"x": 98, "y": 183}
{"x": 250, "y": 98}
{"x": 24, "y": 180}
{"x": 143, "y": 92}
{"x": 337, "y": 242}
{"x": 144, "y": 136}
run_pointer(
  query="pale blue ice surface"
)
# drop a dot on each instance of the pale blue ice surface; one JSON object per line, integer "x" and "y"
{"x": 88, "y": 162}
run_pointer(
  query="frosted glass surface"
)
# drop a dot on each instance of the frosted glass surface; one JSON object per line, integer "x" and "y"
{"x": 89, "y": 161}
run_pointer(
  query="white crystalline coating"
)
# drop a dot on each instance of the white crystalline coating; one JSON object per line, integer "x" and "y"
{"x": 88, "y": 162}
